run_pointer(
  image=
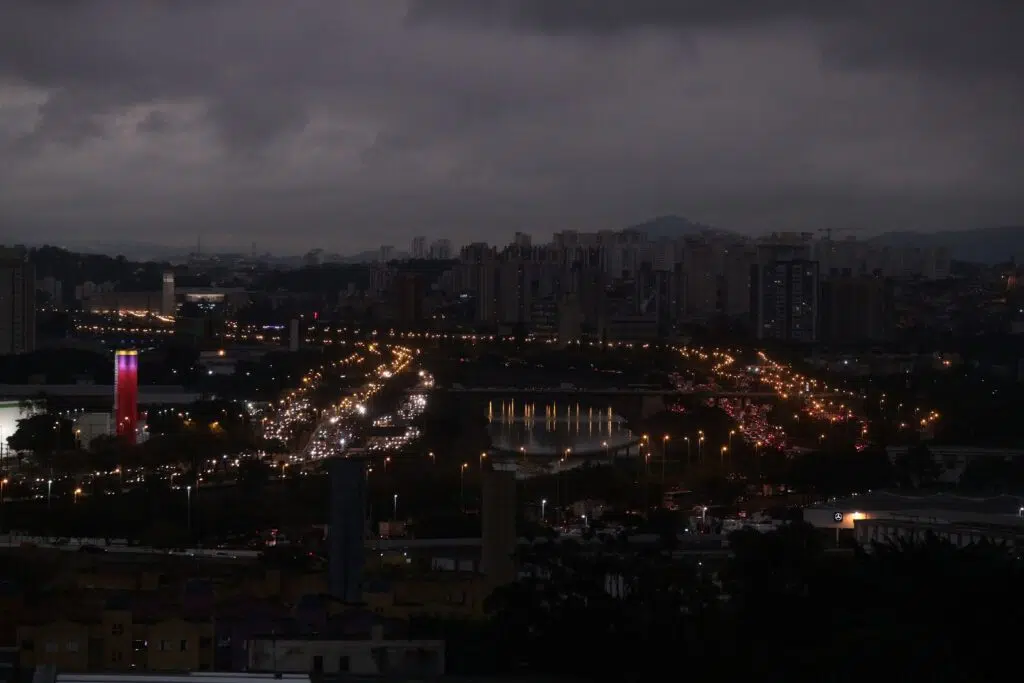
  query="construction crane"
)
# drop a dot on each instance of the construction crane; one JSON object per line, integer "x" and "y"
{"x": 828, "y": 231}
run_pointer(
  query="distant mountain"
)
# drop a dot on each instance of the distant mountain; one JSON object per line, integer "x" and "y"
{"x": 984, "y": 245}
{"x": 670, "y": 226}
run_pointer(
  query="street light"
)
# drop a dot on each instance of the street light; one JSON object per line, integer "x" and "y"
{"x": 188, "y": 507}
{"x": 543, "y": 509}
{"x": 49, "y": 492}
{"x": 394, "y": 508}
{"x": 430, "y": 455}
{"x": 77, "y": 493}
{"x": 462, "y": 485}
{"x": 687, "y": 440}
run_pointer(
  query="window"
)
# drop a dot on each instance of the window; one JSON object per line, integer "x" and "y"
{"x": 343, "y": 664}
{"x": 51, "y": 646}
{"x": 184, "y": 646}
{"x": 116, "y": 656}
{"x": 205, "y": 642}
{"x": 72, "y": 646}
{"x": 165, "y": 646}
{"x": 28, "y": 645}
{"x": 117, "y": 630}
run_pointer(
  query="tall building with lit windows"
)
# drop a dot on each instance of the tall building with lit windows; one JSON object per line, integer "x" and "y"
{"x": 784, "y": 300}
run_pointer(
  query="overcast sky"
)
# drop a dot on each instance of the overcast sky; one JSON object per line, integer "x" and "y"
{"x": 346, "y": 124}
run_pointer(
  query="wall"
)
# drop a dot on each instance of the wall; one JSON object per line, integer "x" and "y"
{"x": 360, "y": 657}
{"x": 116, "y": 642}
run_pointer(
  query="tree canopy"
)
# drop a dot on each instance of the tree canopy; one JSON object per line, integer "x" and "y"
{"x": 781, "y": 608}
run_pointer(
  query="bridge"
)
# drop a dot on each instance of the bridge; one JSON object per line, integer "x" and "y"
{"x": 630, "y": 391}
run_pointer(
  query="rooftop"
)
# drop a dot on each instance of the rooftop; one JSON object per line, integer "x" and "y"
{"x": 895, "y": 502}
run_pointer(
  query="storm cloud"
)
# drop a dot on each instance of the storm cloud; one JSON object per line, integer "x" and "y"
{"x": 345, "y": 124}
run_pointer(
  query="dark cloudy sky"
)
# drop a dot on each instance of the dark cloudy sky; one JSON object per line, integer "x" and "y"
{"x": 346, "y": 124}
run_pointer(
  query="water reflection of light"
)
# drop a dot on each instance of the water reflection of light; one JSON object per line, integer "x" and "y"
{"x": 516, "y": 427}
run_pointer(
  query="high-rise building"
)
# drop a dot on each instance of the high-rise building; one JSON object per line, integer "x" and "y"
{"x": 441, "y": 250}
{"x": 126, "y": 393}
{"x": 409, "y": 292}
{"x": 346, "y": 533}
{"x": 17, "y": 302}
{"x": 167, "y": 304}
{"x": 293, "y": 335}
{"x": 784, "y": 300}
{"x": 498, "y": 519}
{"x": 419, "y": 248}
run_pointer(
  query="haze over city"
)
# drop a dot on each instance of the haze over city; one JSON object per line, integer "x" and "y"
{"x": 346, "y": 125}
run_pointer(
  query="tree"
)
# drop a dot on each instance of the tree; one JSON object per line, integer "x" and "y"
{"x": 917, "y": 468}
{"x": 42, "y": 433}
{"x": 993, "y": 475}
{"x": 601, "y": 602}
{"x": 253, "y": 475}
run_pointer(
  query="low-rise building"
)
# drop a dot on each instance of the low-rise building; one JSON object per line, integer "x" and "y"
{"x": 376, "y": 656}
{"x": 922, "y": 509}
{"x": 868, "y": 532}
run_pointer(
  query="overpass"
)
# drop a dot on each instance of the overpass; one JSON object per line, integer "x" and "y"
{"x": 572, "y": 390}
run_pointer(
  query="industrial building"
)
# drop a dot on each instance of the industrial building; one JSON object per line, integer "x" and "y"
{"x": 888, "y": 516}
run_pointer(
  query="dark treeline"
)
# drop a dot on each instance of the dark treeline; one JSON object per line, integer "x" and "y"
{"x": 781, "y": 608}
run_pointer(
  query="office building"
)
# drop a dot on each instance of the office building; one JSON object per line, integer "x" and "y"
{"x": 17, "y": 302}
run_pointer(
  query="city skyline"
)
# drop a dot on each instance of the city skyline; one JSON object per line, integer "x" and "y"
{"x": 347, "y": 126}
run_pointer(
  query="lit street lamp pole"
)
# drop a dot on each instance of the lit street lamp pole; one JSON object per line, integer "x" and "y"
{"x": 664, "y": 456}
{"x": 188, "y": 506}
{"x": 394, "y": 508}
{"x": 49, "y": 493}
{"x": 462, "y": 486}
{"x": 543, "y": 509}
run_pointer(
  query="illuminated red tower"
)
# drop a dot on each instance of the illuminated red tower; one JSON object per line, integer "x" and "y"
{"x": 126, "y": 393}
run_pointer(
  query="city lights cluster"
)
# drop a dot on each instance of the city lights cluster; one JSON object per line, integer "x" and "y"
{"x": 340, "y": 424}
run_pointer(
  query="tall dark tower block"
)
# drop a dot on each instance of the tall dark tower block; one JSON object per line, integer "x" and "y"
{"x": 499, "y": 527}
{"x": 346, "y": 533}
